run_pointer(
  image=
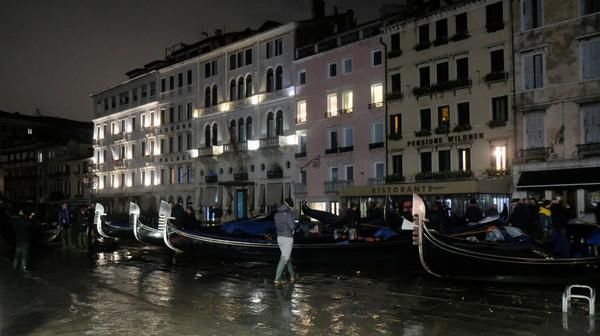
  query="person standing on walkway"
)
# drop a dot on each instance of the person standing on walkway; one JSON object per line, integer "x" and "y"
{"x": 22, "y": 227}
{"x": 285, "y": 224}
{"x": 82, "y": 221}
{"x": 64, "y": 220}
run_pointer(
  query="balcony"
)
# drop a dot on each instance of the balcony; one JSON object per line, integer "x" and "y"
{"x": 496, "y": 123}
{"x": 394, "y": 53}
{"x": 300, "y": 188}
{"x": 421, "y": 91}
{"x": 331, "y": 114}
{"x": 496, "y": 76}
{"x": 240, "y": 177}
{"x": 395, "y": 136}
{"x": 394, "y": 178}
{"x": 460, "y": 35}
{"x": 375, "y": 105}
{"x": 300, "y": 155}
{"x": 374, "y": 145}
{"x": 535, "y": 154}
{"x": 335, "y": 186}
{"x": 275, "y": 173}
{"x": 394, "y": 95}
{"x": 456, "y": 84}
{"x": 345, "y": 149}
{"x": 331, "y": 150}
{"x": 589, "y": 149}
{"x": 235, "y": 147}
{"x": 376, "y": 181}
{"x": 210, "y": 151}
{"x": 444, "y": 175}
{"x": 211, "y": 178}
{"x": 423, "y": 133}
{"x": 272, "y": 142}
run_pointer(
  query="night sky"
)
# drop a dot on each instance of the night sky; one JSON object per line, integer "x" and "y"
{"x": 56, "y": 53}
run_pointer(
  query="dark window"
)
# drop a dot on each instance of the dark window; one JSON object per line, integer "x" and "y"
{"x": 497, "y": 60}
{"x": 180, "y": 79}
{"x": 494, "y": 17}
{"x": 134, "y": 95}
{"x": 189, "y": 77}
{"x": 214, "y": 95}
{"x": 441, "y": 30}
{"x": 333, "y": 139}
{"x": 425, "y": 119}
{"x": 240, "y": 132}
{"x": 395, "y": 41}
{"x": 248, "y": 56}
{"x": 162, "y": 117}
{"x": 461, "y": 23}
{"x": 206, "y": 70}
{"x": 397, "y": 165}
{"x": 163, "y": 85}
{"x": 396, "y": 83}
{"x": 240, "y": 59}
{"x": 179, "y": 112}
{"x": 444, "y": 160}
{"x": 279, "y": 78}
{"x": 232, "y": 90}
{"x": 133, "y": 124}
{"x": 279, "y": 123}
{"x": 207, "y": 136}
{"x": 215, "y": 134}
{"x": 113, "y": 101}
{"x": 214, "y": 67}
{"x": 424, "y": 78}
{"x": 278, "y": 47}
{"x": 249, "y": 128}
{"x": 171, "y": 146}
{"x": 500, "y": 108}
{"x": 179, "y": 143}
{"x": 332, "y": 69}
{"x": 532, "y": 14}
{"x": 171, "y": 83}
{"x": 424, "y": 34}
{"x": 143, "y": 149}
{"x": 232, "y": 61}
{"x": 144, "y": 90}
{"x": 189, "y": 141}
{"x": 152, "y": 88}
{"x": 270, "y": 125}
{"x": 426, "y": 162}
{"x": 171, "y": 114}
{"x": 302, "y": 78}
{"x": 269, "y": 49}
{"x": 462, "y": 68}
{"x": 207, "y": 97}
{"x": 270, "y": 80}
{"x": 590, "y": 6}
{"x": 442, "y": 72}
{"x": 241, "y": 91}
{"x": 248, "y": 86}
{"x": 189, "y": 111}
{"x": 377, "y": 57}
{"x": 162, "y": 146}
{"x": 463, "y": 114}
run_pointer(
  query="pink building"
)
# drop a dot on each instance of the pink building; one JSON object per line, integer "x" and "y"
{"x": 340, "y": 116}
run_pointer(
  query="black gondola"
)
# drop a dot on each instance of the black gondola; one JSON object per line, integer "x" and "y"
{"x": 446, "y": 256}
{"x": 109, "y": 228}
{"x": 147, "y": 233}
{"x": 214, "y": 241}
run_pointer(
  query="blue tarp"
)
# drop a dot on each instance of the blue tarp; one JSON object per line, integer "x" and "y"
{"x": 385, "y": 233}
{"x": 594, "y": 237}
{"x": 250, "y": 227}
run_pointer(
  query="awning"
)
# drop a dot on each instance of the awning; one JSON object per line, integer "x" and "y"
{"x": 559, "y": 178}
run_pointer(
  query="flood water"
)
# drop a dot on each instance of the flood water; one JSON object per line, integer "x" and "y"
{"x": 137, "y": 290}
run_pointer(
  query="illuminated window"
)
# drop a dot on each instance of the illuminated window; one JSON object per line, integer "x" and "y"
{"x": 500, "y": 157}
{"x": 377, "y": 93}
{"x": 332, "y": 105}
{"x": 29, "y": 131}
{"x": 347, "y": 102}
{"x": 444, "y": 117}
{"x": 301, "y": 112}
{"x": 464, "y": 159}
{"x": 396, "y": 124}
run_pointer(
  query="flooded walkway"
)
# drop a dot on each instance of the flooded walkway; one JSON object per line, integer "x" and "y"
{"x": 146, "y": 291}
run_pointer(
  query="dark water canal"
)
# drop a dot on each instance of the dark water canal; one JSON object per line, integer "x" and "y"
{"x": 137, "y": 290}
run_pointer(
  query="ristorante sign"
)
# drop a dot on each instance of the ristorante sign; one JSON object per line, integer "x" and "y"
{"x": 445, "y": 140}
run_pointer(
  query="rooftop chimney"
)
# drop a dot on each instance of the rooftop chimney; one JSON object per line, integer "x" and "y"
{"x": 318, "y": 9}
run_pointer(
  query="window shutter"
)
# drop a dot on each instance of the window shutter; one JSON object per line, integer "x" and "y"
{"x": 528, "y": 71}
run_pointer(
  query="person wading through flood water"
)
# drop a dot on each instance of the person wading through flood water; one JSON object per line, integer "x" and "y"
{"x": 285, "y": 224}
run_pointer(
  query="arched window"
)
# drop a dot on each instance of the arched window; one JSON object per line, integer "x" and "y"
{"x": 232, "y": 132}
{"x": 207, "y": 97}
{"x": 207, "y": 136}
{"x": 214, "y": 95}
{"x": 232, "y": 90}
{"x": 279, "y": 78}
{"x": 270, "y": 80}
{"x": 241, "y": 88}
{"x": 249, "y": 86}
{"x": 215, "y": 134}
{"x": 248, "y": 128}
{"x": 241, "y": 133}
{"x": 270, "y": 125}
{"x": 279, "y": 123}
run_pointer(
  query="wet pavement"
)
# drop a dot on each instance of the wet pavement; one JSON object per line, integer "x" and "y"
{"x": 137, "y": 290}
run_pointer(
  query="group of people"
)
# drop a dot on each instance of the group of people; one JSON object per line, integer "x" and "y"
{"x": 184, "y": 218}
{"x": 79, "y": 222}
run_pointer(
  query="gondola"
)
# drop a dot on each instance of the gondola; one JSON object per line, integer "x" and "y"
{"x": 446, "y": 256}
{"x": 215, "y": 242}
{"x": 109, "y": 228}
{"x": 145, "y": 232}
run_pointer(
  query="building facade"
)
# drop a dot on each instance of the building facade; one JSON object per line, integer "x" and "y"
{"x": 339, "y": 116}
{"x": 449, "y": 96}
{"x": 557, "y": 135}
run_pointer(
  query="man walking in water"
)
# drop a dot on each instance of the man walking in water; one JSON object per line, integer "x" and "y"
{"x": 22, "y": 227}
{"x": 64, "y": 220}
{"x": 285, "y": 224}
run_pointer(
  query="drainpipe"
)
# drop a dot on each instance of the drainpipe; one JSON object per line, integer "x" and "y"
{"x": 514, "y": 93}
{"x": 385, "y": 107}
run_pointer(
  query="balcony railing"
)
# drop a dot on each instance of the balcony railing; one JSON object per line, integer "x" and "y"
{"x": 460, "y": 35}
{"x": 237, "y": 147}
{"x": 240, "y": 177}
{"x": 276, "y": 141}
{"x": 496, "y": 76}
{"x": 300, "y": 188}
{"x": 335, "y": 186}
{"x": 375, "y": 105}
{"x": 332, "y": 114}
{"x": 374, "y": 145}
{"x": 395, "y": 178}
{"x": 376, "y": 181}
{"x": 275, "y": 173}
{"x": 345, "y": 149}
{"x": 444, "y": 175}
{"x": 210, "y": 151}
{"x": 535, "y": 154}
{"x": 589, "y": 149}
{"x": 331, "y": 150}
{"x": 394, "y": 95}
{"x": 211, "y": 178}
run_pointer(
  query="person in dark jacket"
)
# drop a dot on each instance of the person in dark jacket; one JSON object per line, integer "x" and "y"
{"x": 64, "y": 220}
{"x": 559, "y": 216}
{"x": 22, "y": 227}
{"x": 82, "y": 223}
{"x": 190, "y": 221}
{"x": 520, "y": 215}
{"x": 285, "y": 223}
{"x": 473, "y": 213}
